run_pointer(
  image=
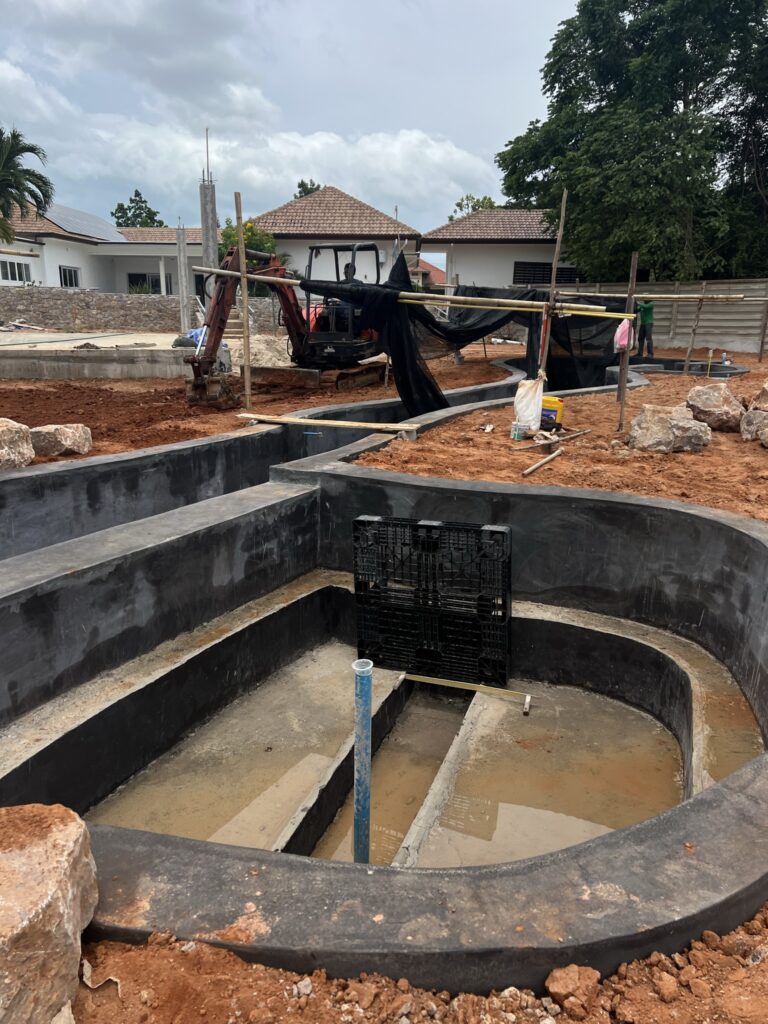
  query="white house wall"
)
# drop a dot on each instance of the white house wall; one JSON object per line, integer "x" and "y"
{"x": 489, "y": 265}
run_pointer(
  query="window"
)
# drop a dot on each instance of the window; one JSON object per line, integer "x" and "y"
{"x": 541, "y": 273}
{"x": 69, "y": 277}
{"x": 148, "y": 284}
{"x": 19, "y": 272}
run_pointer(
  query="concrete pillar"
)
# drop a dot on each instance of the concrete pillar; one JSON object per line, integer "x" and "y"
{"x": 163, "y": 289}
{"x": 181, "y": 256}
{"x": 208, "y": 222}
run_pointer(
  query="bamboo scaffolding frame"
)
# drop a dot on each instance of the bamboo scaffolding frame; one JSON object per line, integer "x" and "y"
{"x": 673, "y": 298}
{"x": 421, "y": 298}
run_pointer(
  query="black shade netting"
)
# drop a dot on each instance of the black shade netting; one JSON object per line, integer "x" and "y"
{"x": 411, "y": 334}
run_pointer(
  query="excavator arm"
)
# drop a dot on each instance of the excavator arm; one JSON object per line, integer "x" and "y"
{"x": 208, "y": 386}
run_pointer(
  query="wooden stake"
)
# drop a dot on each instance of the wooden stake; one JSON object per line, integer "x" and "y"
{"x": 543, "y": 462}
{"x": 763, "y": 329}
{"x": 694, "y": 328}
{"x": 244, "y": 302}
{"x": 546, "y": 323}
{"x": 624, "y": 362}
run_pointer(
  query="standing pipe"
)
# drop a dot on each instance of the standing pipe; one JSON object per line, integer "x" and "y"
{"x": 362, "y": 828}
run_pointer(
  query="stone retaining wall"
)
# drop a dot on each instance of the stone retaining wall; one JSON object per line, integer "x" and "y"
{"x": 63, "y": 310}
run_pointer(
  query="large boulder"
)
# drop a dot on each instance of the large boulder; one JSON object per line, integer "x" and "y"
{"x": 760, "y": 401}
{"x": 763, "y": 436}
{"x": 662, "y": 428}
{"x": 753, "y": 422}
{"x": 61, "y": 439}
{"x": 47, "y": 896}
{"x": 15, "y": 445}
{"x": 716, "y": 406}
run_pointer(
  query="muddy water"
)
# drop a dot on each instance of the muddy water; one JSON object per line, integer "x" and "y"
{"x": 403, "y": 770}
{"x": 240, "y": 777}
{"x": 579, "y": 766}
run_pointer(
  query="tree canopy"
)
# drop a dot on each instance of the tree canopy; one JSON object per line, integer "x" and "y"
{"x": 306, "y": 188}
{"x": 657, "y": 126}
{"x": 20, "y": 187}
{"x": 137, "y": 213}
{"x": 469, "y": 203}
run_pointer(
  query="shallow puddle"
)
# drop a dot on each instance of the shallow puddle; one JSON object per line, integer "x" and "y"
{"x": 241, "y": 776}
{"x": 402, "y": 772}
{"x": 579, "y": 766}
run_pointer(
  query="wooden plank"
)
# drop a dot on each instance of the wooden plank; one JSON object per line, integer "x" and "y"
{"x": 408, "y": 429}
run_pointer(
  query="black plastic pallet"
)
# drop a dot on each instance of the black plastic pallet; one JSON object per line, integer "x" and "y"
{"x": 434, "y": 598}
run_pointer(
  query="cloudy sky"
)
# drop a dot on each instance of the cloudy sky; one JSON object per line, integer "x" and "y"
{"x": 401, "y": 103}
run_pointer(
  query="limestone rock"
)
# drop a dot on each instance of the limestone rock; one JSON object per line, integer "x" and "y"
{"x": 760, "y": 401}
{"x": 573, "y": 985}
{"x": 763, "y": 435}
{"x": 15, "y": 445}
{"x": 753, "y": 423}
{"x": 661, "y": 428}
{"x": 716, "y": 406}
{"x": 48, "y": 895}
{"x": 61, "y": 439}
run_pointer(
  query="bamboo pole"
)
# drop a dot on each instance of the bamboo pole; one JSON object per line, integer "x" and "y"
{"x": 673, "y": 298}
{"x": 20, "y": 253}
{"x": 408, "y": 429}
{"x": 462, "y": 301}
{"x": 543, "y": 462}
{"x": 546, "y": 323}
{"x": 694, "y": 328}
{"x": 624, "y": 364}
{"x": 675, "y": 313}
{"x": 244, "y": 302}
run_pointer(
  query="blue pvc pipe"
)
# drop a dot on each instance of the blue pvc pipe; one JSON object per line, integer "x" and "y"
{"x": 363, "y": 687}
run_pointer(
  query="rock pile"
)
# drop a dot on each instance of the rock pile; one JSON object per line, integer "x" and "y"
{"x": 19, "y": 444}
{"x": 48, "y": 887}
{"x": 714, "y": 405}
{"x": 662, "y": 428}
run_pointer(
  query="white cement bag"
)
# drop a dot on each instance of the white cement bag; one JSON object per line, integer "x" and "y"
{"x": 528, "y": 399}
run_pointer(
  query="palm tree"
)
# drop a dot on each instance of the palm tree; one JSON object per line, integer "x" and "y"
{"x": 20, "y": 186}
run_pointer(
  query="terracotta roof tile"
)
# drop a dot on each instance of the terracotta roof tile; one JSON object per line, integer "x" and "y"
{"x": 331, "y": 213}
{"x": 437, "y": 276}
{"x": 30, "y": 225}
{"x": 503, "y": 224}
{"x": 160, "y": 234}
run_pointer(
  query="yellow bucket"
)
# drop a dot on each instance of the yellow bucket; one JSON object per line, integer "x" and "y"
{"x": 551, "y": 412}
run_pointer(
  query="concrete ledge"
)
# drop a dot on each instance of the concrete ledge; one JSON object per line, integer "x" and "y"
{"x": 86, "y": 364}
{"x": 77, "y": 608}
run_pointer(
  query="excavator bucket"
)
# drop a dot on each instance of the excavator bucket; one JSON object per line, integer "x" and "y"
{"x": 213, "y": 390}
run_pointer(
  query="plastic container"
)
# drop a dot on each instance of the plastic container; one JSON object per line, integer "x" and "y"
{"x": 518, "y": 431}
{"x": 551, "y": 412}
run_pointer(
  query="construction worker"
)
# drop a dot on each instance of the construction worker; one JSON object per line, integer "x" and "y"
{"x": 645, "y": 312}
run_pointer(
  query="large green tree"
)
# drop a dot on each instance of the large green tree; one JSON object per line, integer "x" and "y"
{"x": 136, "y": 213}
{"x": 642, "y": 109}
{"x": 20, "y": 186}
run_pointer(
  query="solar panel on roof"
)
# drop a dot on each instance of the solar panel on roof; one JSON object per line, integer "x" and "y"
{"x": 77, "y": 222}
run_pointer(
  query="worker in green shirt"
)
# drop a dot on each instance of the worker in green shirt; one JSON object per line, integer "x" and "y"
{"x": 645, "y": 311}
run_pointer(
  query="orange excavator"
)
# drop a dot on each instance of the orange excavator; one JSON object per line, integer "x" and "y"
{"x": 323, "y": 336}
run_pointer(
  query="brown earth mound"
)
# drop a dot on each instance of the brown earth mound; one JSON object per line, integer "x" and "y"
{"x": 729, "y": 474}
{"x": 716, "y": 981}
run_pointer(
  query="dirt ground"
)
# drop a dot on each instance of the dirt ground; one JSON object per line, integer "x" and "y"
{"x": 130, "y": 414}
{"x": 729, "y": 474}
{"x": 715, "y": 981}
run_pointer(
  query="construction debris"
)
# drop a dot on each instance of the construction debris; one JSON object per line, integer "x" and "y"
{"x": 716, "y": 406}
{"x": 661, "y": 428}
